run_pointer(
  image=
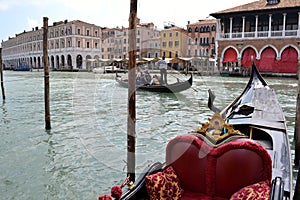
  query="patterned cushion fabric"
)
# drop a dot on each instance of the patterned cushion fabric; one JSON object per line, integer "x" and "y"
{"x": 164, "y": 185}
{"x": 257, "y": 191}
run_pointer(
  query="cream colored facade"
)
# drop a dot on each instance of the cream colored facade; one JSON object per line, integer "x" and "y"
{"x": 115, "y": 43}
{"x": 71, "y": 45}
{"x": 173, "y": 42}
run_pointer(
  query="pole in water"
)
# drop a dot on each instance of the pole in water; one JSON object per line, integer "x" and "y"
{"x": 297, "y": 126}
{"x": 1, "y": 74}
{"x": 131, "y": 117}
{"x": 297, "y": 141}
{"x": 46, "y": 74}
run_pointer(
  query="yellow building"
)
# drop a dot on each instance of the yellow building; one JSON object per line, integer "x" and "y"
{"x": 173, "y": 42}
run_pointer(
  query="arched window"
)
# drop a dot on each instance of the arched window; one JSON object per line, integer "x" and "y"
{"x": 208, "y": 29}
{"x": 196, "y": 29}
{"x": 213, "y": 28}
{"x": 196, "y": 41}
{"x": 190, "y": 30}
{"x": 201, "y": 29}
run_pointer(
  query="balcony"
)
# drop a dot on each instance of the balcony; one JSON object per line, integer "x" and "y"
{"x": 260, "y": 35}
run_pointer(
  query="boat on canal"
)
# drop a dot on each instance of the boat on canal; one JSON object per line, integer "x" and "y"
{"x": 179, "y": 86}
{"x": 242, "y": 152}
{"x": 22, "y": 67}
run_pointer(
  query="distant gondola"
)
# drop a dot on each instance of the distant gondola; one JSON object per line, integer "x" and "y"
{"x": 242, "y": 152}
{"x": 170, "y": 88}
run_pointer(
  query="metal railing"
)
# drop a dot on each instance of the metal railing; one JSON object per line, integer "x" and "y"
{"x": 259, "y": 34}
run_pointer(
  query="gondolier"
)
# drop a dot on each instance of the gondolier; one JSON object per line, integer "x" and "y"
{"x": 163, "y": 70}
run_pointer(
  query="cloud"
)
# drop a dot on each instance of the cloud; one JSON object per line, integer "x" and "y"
{"x": 7, "y": 4}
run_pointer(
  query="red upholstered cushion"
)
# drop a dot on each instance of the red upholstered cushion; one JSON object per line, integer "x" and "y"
{"x": 164, "y": 185}
{"x": 257, "y": 191}
{"x": 187, "y": 154}
{"x": 237, "y": 165}
{"x": 217, "y": 173}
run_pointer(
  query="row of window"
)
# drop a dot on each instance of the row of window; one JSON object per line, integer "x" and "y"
{"x": 202, "y": 41}
{"x": 125, "y": 50}
{"x": 202, "y": 29}
{"x": 170, "y": 34}
{"x": 170, "y": 44}
{"x": 201, "y": 52}
{"x": 68, "y": 31}
{"x": 164, "y": 44}
{"x": 106, "y": 34}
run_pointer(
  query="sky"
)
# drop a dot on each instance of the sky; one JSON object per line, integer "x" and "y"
{"x": 19, "y": 15}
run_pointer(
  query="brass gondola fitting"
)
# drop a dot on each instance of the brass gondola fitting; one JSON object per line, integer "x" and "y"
{"x": 217, "y": 132}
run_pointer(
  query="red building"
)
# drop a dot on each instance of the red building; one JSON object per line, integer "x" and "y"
{"x": 266, "y": 30}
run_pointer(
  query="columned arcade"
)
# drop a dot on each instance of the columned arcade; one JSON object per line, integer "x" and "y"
{"x": 266, "y": 31}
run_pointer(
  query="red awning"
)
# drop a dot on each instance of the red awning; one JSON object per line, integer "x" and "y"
{"x": 267, "y": 60}
{"x": 248, "y": 54}
{"x": 288, "y": 62}
{"x": 230, "y": 56}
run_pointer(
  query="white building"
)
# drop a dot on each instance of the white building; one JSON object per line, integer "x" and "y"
{"x": 71, "y": 45}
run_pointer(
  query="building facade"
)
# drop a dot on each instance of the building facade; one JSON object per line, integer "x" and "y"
{"x": 115, "y": 43}
{"x": 71, "y": 45}
{"x": 149, "y": 41}
{"x": 266, "y": 31}
{"x": 201, "y": 38}
{"x": 173, "y": 42}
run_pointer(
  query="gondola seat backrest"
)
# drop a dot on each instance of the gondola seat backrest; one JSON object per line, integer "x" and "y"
{"x": 188, "y": 157}
{"x": 217, "y": 172}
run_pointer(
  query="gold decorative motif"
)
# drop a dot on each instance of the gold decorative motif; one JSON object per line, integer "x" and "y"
{"x": 217, "y": 129}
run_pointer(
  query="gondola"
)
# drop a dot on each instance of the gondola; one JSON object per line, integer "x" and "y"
{"x": 179, "y": 86}
{"x": 242, "y": 152}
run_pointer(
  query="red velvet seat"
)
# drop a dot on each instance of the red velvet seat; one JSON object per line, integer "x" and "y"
{"x": 217, "y": 173}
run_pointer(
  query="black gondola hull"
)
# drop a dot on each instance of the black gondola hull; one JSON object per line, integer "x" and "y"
{"x": 170, "y": 88}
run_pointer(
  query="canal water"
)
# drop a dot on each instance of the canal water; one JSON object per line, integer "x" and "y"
{"x": 84, "y": 153}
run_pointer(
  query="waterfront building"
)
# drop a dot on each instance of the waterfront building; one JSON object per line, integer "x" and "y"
{"x": 201, "y": 44}
{"x": 115, "y": 42}
{"x": 148, "y": 41}
{"x": 201, "y": 38}
{"x": 71, "y": 45}
{"x": 266, "y": 30}
{"x": 173, "y": 41}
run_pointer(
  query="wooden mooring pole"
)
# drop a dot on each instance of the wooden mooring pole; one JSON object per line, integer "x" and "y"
{"x": 297, "y": 142}
{"x": 1, "y": 74}
{"x": 131, "y": 117}
{"x": 46, "y": 74}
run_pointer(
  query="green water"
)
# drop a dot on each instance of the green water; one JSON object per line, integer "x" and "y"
{"x": 84, "y": 153}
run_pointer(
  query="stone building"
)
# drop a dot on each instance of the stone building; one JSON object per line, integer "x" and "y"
{"x": 201, "y": 38}
{"x": 201, "y": 45}
{"x": 71, "y": 45}
{"x": 266, "y": 30}
{"x": 115, "y": 42}
{"x": 173, "y": 41}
